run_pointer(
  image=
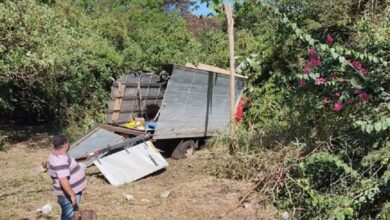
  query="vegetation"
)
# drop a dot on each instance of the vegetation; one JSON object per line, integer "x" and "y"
{"x": 316, "y": 131}
{"x": 320, "y": 83}
{"x": 59, "y": 58}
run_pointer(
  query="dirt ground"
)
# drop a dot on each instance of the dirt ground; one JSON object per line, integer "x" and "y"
{"x": 192, "y": 193}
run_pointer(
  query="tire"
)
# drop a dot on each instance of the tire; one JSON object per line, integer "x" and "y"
{"x": 184, "y": 149}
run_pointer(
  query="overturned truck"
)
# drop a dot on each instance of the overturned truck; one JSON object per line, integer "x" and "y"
{"x": 178, "y": 106}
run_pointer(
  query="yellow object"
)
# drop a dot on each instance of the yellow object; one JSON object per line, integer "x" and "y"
{"x": 131, "y": 124}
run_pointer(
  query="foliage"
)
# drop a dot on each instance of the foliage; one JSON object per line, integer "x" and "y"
{"x": 51, "y": 65}
{"x": 4, "y": 146}
{"x": 59, "y": 58}
{"x": 320, "y": 81}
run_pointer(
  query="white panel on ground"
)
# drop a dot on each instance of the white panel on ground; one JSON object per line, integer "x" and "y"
{"x": 131, "y": 164}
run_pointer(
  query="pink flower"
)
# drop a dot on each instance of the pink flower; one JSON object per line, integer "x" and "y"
{"x": 359, "y": 66}
{"x": 312, "y": 52}
{"x": 314, "y": 61}
{"x": 337, "y": 94}
{"x": 319, "y": 81}
{"x": 306, "y": 69}
{"x": 364, "y": 96}
{"x": 357, "y": 91}
{"x": 326, "y": 100}
{"x": 349, "y": 101}
{"x": 301, "y": 83}
{"x": 329, "y": 39}
{"x": 337, "y": 106}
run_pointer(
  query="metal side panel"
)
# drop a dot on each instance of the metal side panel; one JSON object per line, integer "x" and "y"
{"x": 97, "y": 139}
{"x": 131, "y": 164}
{"x": 196, "y": 104}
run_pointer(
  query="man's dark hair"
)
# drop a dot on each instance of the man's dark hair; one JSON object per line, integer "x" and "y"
{"x": 59, "y": 140}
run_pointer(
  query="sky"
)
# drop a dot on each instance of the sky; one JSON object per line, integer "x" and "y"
{"x": 204, "y": 10}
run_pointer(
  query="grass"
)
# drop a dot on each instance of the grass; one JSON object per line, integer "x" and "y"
{"x": 193, "y": 193}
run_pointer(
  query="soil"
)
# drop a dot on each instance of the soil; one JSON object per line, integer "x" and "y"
{"x": 192, "y": 193}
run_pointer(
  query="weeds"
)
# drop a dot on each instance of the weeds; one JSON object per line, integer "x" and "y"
{"x": 4, "y": 146}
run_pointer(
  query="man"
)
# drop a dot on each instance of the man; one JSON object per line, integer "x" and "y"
{"x": 69, "y": 179}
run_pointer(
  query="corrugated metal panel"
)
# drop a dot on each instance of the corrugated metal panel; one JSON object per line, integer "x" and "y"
{"x": 97, "y": 139}
{"x": 131, "y": 164}
{"x": 196, "y": 104}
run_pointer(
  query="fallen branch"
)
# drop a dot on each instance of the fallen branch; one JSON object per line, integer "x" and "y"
{"x": 245, "y": 196}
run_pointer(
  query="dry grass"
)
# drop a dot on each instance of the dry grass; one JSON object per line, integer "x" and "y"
{"x": 266, "y": 168}
{"x": 194, "y": 195}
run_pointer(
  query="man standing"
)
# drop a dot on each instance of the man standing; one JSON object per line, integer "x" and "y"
{"x": 68, "y": 178}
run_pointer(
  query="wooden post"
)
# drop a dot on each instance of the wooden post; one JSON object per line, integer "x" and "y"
{"x": 230, "y": 22}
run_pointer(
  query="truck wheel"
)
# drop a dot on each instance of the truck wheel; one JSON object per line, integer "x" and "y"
{"x": 184, "y": 149}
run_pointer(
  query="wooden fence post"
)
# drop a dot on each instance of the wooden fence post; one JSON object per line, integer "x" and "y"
{"x": 230, "y": 22}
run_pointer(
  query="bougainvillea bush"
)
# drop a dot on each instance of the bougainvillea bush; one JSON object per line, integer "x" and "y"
{"x": 345, "y": 173}
{"x": 321, "y": 82}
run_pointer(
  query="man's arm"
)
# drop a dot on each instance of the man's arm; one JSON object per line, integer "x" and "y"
{"x": 68, "y": 189}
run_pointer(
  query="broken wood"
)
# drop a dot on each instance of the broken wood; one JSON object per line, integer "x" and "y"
{"x": 245, "y": 196}
{"x": 121, "y": 130}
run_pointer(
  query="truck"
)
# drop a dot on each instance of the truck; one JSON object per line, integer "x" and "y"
{"x": 176, "y": 108}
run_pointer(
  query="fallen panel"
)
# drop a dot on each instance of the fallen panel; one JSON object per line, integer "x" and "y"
{"x": 131, "y": 164}
{"x": 97, "y": 139}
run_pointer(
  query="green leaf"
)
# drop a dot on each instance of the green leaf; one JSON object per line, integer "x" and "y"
{"x": 308, "y": 37}
{"x": 348, "y": 211}
{"x": 384, "y": 125}
{"x": 340, "y": 216}
{"x": 324, "y": 47}
{"x": 360, "y": 122}
{"x": 355, "y": 84}
{"x": 369, "y": 128}
{"x": 378, "y": 126}
{"x": 285, "y": 20}
{"x": 294, "y": 25}
{"x": 298, "y": 32}
{"x": 335, "y": 55}
{"x": 342, "y": 67}
{"x": 342, "y": 59}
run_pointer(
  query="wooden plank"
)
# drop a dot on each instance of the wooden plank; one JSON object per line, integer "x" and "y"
{"x": 114, "y": 117}
{"x": 118, "y": 102}
{"x": 215, "y": 69}
{"x": 135, "y": 85}
{"x": 121, "y": 90}
{"x": 190, "y": 65}
{"x": 132, "y": 97}
{"x": 122, "y": 130}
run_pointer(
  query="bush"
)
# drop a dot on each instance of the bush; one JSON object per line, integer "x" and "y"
{"x": 4, "y": 146}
